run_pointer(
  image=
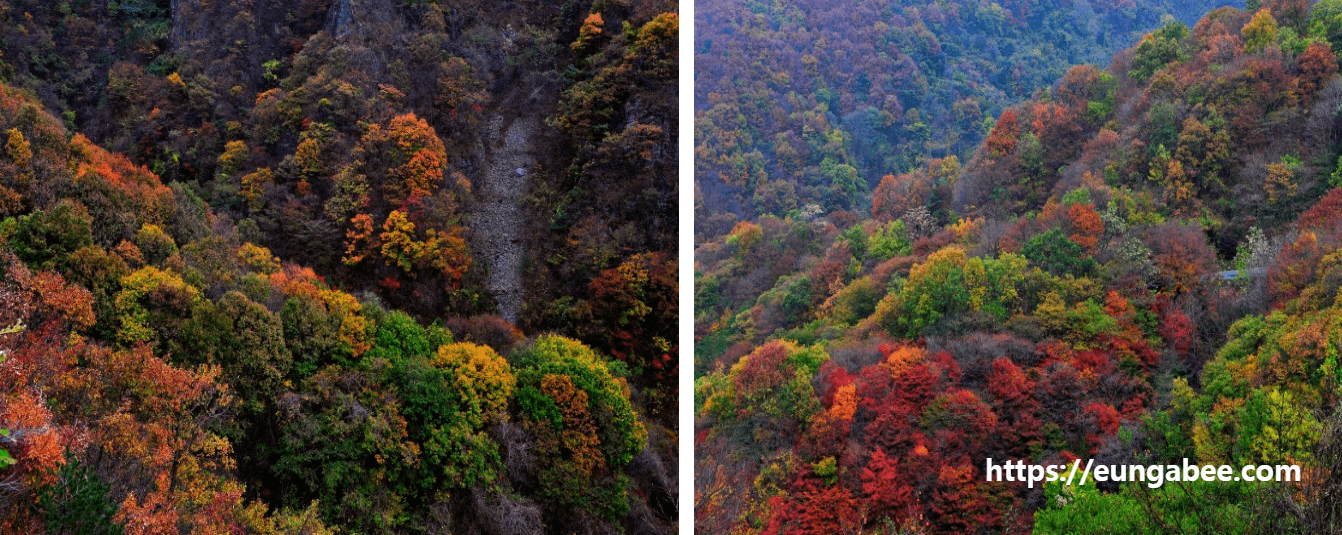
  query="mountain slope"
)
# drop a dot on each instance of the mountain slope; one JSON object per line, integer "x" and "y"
{"x": 1135, "y": 267}
{"x": 801, "y": 103}
{"x": 266, "y": 309}
{"x": 311, "y": 123}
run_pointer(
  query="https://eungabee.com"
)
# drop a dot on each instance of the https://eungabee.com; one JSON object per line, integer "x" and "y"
{"x": 1154, "y": 475}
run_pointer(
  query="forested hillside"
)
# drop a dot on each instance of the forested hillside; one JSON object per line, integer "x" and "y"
{"x": 1138, "y": 265}
{"x": 810, "y": 102}
{"x": 337, "y": 266}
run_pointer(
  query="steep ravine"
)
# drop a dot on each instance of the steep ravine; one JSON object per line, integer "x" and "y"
{"x": 497, "y": 219}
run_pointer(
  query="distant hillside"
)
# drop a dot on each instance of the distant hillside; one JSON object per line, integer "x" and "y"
{"x": 809, "y": 102}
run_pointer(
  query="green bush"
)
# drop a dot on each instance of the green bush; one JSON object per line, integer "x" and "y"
{"x": 46, "y": 239}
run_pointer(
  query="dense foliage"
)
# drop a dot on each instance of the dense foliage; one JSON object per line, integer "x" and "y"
{"x": 357, "y": 138}
{"x": 812, "y": 102}
{"x": 244, "y": 288}
{"x": 1138, "y": 265}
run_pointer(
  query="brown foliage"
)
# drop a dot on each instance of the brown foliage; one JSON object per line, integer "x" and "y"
{"x": 489, "y": 330}
{"x": 1317, "y": 66}
{"x": 1182, "y": 254}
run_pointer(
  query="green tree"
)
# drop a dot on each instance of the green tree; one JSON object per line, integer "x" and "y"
{"x": 243, "y": 338}
{"x": 447, "y": 400}
{"x": 584, "y": 420}
{"x": 888, "y": 241}
{"x": 1325, "y": 21}
{"x": 343, "y": 442}
{"x": 154, "y": 244}
{"x": 1136, "y": 509}
{"x": 1055, "y": 253}
{"x": 935, "y": 289}
{"x": 45, "y": 239}
{"x": 1260, "y": 32}
{"x": 1158, "y": 49}
{"x": 311, "y": 335}
{"x": 1276, "y": 429}
{"x": 846, "y": 186}
{"x": 399, "y": 337}
{"x": 152, "y": 302}
{"x": 76, "y": 502}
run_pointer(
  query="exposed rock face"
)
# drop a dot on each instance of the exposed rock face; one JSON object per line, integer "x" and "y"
{"x": 365, "y": 22}
{"x": 228, "y": 41}
{"x": 498, "y": 219}
{"x": 251, "y": 32}
{"x": 340, "y": 19}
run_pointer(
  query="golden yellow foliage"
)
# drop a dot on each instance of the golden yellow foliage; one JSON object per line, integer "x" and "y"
{"x": 18, "y": 148}
{"x": 253, "y": 185}
{"x": 235, "y": 158}
{"x": 257, "y": 258}
{"x": 904, "y": 358}
{"x": 484, "y": 379}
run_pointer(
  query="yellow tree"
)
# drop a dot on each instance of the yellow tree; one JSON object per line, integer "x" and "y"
{"x": 443, "y": 251}
{"x": 150, "y": 300}
{"x": 1280, "y": 179}
{"x": 398, "y": 241}
{"x": 1260, "y": 32}
{"x": 17, "y": 148}
{"x": 253, "y": 185}
{"x": 235, "y": 158}
{"x": 484, "y": 380}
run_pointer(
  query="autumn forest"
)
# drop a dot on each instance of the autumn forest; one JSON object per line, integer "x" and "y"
{"x": 338, "y": 266}
{"x": 412, "y": 267}
{"x": 931, "y": 233}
